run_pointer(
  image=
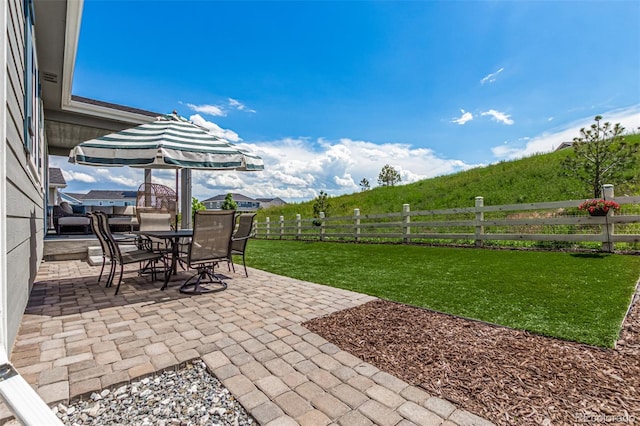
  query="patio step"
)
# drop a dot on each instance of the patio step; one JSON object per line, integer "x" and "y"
{"x": 94, "y": 253}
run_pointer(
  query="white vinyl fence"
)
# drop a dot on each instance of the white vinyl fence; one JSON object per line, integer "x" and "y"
{"x": 556, "y": 221}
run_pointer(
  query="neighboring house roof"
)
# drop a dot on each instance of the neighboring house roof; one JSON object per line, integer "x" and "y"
{"x": 71, "y": 198}
{"x": 236, "y": 197}
{"x": 56, "y": 178}
{"x": 276, "y": 200}
{"x": 99, "y": 194}
{"x": 564, "y": 145}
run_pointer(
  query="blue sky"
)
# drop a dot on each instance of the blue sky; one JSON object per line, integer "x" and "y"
{"x": 329, "y": 92}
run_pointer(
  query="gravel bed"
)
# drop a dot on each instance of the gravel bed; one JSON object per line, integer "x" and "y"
{"x": 190, "y": 396}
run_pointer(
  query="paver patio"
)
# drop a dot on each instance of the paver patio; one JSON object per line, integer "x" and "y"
{"x": 76, "y": 337}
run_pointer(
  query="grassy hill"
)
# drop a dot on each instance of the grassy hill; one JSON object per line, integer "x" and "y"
{"x": 533, "y": 179}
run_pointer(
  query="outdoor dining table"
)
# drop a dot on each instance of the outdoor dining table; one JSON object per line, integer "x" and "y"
{"x": 173, "y": 238}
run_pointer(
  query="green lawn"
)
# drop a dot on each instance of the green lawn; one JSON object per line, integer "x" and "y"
{"x": 579, "y": 297}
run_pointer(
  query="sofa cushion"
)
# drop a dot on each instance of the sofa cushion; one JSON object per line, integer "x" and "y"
{"x": 66, "y": 207}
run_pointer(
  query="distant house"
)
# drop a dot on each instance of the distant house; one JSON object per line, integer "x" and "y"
{"x": 56, "y": 183}
{"x": 564, "y": 145}
{"x": 99, "y": 197}
{"x": 245, "y": 204}
{"x": 270, "y": 202}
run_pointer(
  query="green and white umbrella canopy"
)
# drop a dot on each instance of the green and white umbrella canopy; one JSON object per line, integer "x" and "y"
{"x": 170, "y": 141}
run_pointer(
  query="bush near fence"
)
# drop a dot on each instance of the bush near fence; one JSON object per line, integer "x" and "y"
{"x": 557, "y": 224}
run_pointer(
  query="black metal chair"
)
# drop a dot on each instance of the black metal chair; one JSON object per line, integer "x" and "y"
{"x": 240, "y": 238}
{"x": 95, "y": 227}
{"x": 210, "y": 245}
{"x": 116, "y": 256}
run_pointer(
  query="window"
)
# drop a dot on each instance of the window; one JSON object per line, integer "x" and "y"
{"x": 33, "y": 117}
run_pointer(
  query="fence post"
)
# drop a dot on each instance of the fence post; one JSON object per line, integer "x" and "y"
{"x": 268, "y": 225}
{"x": 607, "y": 229}
{"x": 298, "y": 226}
{"x": 321, "y": 226}
{"x": 406, "y": 220}
{"x": 479, "y": 220}
{"x": 281, "y": 226}
{"x": 356, "y": 224}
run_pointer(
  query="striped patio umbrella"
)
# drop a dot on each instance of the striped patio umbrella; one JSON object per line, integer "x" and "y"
{"x": 170, "y": 141}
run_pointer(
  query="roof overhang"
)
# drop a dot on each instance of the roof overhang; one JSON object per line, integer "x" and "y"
{"x": 70, "y": 120}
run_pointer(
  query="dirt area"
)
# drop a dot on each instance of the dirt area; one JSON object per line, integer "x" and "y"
{"x": 504, "y": 375}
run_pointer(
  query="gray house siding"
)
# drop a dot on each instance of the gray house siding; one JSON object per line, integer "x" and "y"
{"x": 25, "y": 186}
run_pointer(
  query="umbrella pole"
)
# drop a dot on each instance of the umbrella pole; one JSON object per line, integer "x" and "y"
{"x": 177, "y": 205}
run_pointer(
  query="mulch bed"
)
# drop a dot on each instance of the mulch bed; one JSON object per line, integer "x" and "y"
{"x": 506, "y": 376}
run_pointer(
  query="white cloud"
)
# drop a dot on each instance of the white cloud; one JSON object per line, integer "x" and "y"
{"x": 466, "y": 116}
{"x": 70, "y": 176}
{"x": 214, "y": 110}
{"x": 491, "y": 77}
{"x": 498, "y": 116}
{"x": 233, "y": 103}
{"x": 124, "y": 181}
{"x": 629, "y": 118}
{"x": 295, "y": 169}
{"x": 214, "y": 129}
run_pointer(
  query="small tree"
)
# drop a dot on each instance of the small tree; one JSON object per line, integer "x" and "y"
{"x": 389, "y": 176}
{"x": 228, "y": 203}
{"x": 320, "y": 204}
{"x": 364, "y": 184}
{"x": 197, "y": 205}
{"x": 600, "y": 156}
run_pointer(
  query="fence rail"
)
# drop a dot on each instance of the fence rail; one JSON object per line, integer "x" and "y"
{"x": 556, "y": 221}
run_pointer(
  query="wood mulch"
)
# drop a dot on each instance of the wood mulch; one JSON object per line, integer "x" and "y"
{"x": 506, "y": 376}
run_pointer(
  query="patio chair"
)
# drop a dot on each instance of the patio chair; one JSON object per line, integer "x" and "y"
{"x": 116, "y": 256}
{"x": 95, "y": 217}
{"x": 240, "y": 238}
{"x": 95, "y": 227}
{"x": 210, "y": 245}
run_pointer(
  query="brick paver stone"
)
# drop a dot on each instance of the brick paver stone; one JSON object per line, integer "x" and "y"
{"x": 54, "y": 392}
{"x": 419, "y": 415}
{"x": 283, "y": 421}
{"x": 390, "y": 382}
{"x": 266, "y": 412}
{"x": 309, "y": 390}
{"x": 239, "y": 385}
{"x": 379, "y": 414}
{"x": 440, "y": 406}
{"x": 324, "y": 379}
{"x": 215, "y": 360}
{"x": 385, "y": 396}
{"x": 354, "y": 418}
{"x": 293, "y": 404}
{"x": 272, "y": 386}
{"x": 83, "y": 388}
{"x": 349, "y": 395}
{"x": 415, "y": 394}
{"x": 253, "y": 399}
{"x": 465, "y": 418}
{"x": 330, "y": 405}
{"x": 313, "y": 418}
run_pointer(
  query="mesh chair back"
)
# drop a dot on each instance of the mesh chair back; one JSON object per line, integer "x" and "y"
{"x": 211, "y": 239}
{"x": 105, "y": 231}
{"x": 155, "y": 221}
{"x": 244, "y": 231}
{"x": 95, "y": 227}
